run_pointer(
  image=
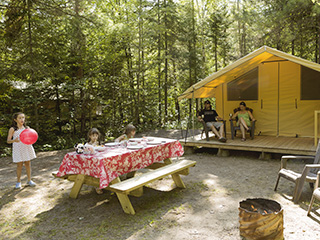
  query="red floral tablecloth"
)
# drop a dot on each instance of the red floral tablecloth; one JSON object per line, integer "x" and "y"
{"x": 115, "y": 161}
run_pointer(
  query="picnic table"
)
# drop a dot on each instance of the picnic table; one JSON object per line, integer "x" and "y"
{"x": 103, "y": 168}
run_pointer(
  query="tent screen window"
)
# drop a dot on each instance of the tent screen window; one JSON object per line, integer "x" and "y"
{"x": 244, "y": 87}
{"x": 310, "y": 84}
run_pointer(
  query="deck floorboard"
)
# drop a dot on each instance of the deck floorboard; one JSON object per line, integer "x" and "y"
{"x": 267, "y": 144}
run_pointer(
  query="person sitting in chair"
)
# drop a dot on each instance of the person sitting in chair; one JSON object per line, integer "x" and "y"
{"x": 210, "y": 117}
{"x": 244, "y": 117}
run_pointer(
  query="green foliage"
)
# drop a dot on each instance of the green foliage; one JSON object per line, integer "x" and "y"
{"x": 75, "y": 65}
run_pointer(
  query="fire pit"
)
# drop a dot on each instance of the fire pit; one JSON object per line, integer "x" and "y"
{"x": 261, "y": 219}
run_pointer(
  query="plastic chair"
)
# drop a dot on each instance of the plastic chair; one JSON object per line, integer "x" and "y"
{"x": 316, "y": 193}
{"x": 309, "y": 173}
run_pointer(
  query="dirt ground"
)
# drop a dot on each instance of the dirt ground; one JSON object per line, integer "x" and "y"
{"x": 206, "y": 209}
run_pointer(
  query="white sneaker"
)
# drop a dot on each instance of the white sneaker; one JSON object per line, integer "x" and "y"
{"x": 31, "y": 183}
{"x": 18, "y": 185}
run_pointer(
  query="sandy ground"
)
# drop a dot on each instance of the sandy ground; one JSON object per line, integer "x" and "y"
{"x": 206, "y": 209}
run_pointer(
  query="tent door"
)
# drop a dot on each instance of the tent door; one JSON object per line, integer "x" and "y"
{"x": 267, "y": 115}
{"x": 289, "y": 99}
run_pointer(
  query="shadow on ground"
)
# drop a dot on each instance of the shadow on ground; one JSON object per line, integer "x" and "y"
{"x": 101, "y": 216}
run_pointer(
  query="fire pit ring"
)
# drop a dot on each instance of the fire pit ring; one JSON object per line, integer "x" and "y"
{"x": 261, "y": 219}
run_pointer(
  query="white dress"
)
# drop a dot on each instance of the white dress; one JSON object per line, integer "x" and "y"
{"x": 20, "y": 151}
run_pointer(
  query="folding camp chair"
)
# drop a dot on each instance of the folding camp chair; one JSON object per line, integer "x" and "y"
{"x": 234, "y": 127}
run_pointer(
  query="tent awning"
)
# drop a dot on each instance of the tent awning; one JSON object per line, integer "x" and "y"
{"x": 206, "y": 87}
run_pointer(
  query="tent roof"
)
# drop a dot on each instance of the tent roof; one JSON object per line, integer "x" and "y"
{"x": 206, "y": 87}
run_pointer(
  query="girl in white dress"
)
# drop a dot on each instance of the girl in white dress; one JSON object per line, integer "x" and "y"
{"x": 21, "y": 153}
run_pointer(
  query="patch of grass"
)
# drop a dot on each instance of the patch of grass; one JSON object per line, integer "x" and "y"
{"x": 3, "y": 227}
{"x": 198, "y": 185}
{"x": 52, "y": 232}
{"x": 31, "y": 230}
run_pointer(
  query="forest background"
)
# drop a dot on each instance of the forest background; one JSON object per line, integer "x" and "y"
{"x": 70, "y": 65}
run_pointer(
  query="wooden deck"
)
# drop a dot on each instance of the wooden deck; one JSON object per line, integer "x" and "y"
{"x": 263, "y": 144}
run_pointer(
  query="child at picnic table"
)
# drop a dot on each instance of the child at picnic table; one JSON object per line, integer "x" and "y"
{"x": 93, "y": 140}
{"x": 94, "y": 137}
{"x": 129, "y": 132}
{"x": 21, "y": 153}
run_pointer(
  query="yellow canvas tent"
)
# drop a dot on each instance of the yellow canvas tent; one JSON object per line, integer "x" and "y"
{"x": 282, "y": 89}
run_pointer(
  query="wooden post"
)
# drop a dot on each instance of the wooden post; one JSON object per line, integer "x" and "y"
{"x": 77, "y": 186}
{"x": 125, "y": 203}
{"x": 192, "y": 112}
{"x": 188, "y": 150}
{"x": 265, "y": 156}
{"x": 316, "y": 127}
{"x": 178, "y": 181}
{"x": 137, "y": 192}
{"x": 176, "y": 177}
{"x": 131, "y": 174}
{"x": 116, "y": 180}
{"x": 167, "y": 161}
{"x": 124, "y": 199}
{"x": 223, "y": 152}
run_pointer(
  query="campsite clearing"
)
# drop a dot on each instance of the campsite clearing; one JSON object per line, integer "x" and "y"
{"x": 206, "y": 209}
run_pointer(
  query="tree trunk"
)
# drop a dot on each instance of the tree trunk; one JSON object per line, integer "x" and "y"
{"x": 140, "y": 27}
{"x": 244, "y": 41}
{"x": 130, "y": 73}
{"x": 239, "y": 29}
{"x": 165, "y": 65}
{"x": 33, "y": 80}
{"x": 159, "y": 67}
{"x": 318, "y": 60}
{"x": 216, "y": 52}
{"x": 292, "y": 47}
{"x": 190, "y": 72}
{"x": 194, "y": 52}
{"x": 128, "y": 53}
{"x": 79, "y": 43}
{"x": 58, "y": 109}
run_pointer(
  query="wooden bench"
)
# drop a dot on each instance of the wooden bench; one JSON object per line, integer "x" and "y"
{"x": 134, "y": 185}
{"x": 79, "y": 180}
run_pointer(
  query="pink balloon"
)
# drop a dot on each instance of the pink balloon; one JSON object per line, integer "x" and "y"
{"x": 28, "y": 136}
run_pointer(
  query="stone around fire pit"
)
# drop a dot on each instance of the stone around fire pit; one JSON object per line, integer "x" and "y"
{"x": 261, "y": 219}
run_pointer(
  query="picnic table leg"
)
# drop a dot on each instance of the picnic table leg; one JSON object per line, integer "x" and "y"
{"x": 137, "y": 193}
{"x": 77, "y": 186}
{"x": 125, "y": 203}
{"x": 176, "y": 177}
{"x": 178, "y": 181}
{"x": 116, "y": 180}
{"x": 124, "y": 199}
{"x": 167, "y": 161}
{"x": 131, "y": 174}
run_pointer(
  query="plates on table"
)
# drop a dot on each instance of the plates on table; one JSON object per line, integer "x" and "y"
{"x": 111, "y": 144}
{"x": 134, "y": 147}
{"x": 100, "y": 149}
{"x": 135, "y": 139}
{"x": 150, "y": 139}
{"x": 157, "y": 142}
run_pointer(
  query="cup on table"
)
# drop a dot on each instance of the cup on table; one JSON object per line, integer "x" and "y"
{"x": 133, "y": 143}
{"x": 124, "y": 144}
{"x": 144, "y": 142}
